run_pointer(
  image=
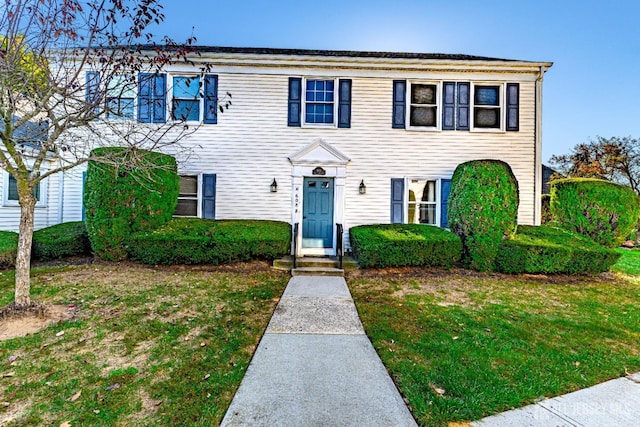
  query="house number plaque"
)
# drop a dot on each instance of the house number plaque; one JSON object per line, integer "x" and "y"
{"x": 319, "y": 171}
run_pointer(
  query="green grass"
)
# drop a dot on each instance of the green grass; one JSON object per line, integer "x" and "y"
{"x": 629, "y": 262}
{"x": 164, "y": 346}
{"x": 463, "y": 345}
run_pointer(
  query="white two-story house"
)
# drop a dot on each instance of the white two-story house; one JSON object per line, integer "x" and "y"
{"x": 320, "y": 138}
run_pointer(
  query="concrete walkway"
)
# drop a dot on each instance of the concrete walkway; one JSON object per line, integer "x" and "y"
{"x": 315, "y": 366}
{"x": 612, "y": 403}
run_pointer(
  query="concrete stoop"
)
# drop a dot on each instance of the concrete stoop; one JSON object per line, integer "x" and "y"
{"x": 315, "y": 266}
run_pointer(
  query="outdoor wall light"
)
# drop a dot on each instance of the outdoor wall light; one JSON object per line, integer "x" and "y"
{"x": 274, "y": 186}
{"x": 362, "y": 188}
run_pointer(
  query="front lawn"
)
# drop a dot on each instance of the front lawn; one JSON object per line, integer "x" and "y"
{"x": 462, "y": 345}
{"x": 147, "y": 346}
{"x": 629, "y": 262}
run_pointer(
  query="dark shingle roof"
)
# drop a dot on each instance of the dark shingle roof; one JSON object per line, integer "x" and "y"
{"x": 336, "y": 53}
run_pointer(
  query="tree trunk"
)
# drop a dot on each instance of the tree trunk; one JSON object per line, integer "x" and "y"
{"x": 23, "y": 258}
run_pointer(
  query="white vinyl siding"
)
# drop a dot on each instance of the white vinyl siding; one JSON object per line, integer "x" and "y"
{"x": 251, "y": 143}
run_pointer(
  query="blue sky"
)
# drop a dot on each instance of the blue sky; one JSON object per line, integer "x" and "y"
{"x": 592, "y": 89}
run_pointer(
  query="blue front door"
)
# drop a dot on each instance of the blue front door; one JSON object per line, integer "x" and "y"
{"x": 317, "y": 213}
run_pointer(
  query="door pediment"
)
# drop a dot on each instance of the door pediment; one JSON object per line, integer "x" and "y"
{"x": 319, "y": 152}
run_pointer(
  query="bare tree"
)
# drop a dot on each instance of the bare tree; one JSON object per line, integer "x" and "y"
{"x": 67, "y": 68}
{"x": 615, "y": 159}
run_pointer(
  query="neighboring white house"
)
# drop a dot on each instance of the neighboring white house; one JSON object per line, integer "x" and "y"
{"x": 349, "y": 138}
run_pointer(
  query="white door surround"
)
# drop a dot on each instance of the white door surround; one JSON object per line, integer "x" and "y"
{"x": 318, "y": 159}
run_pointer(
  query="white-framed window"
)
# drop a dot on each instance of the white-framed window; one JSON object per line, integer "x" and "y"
{"x": 197, "y": 196}
{"x": 121, "y": 94}
{"x": 320, "y": 106}
{"x": 186, "y": 98}
{"x": 423, "y": 99}
{"x": 188, "y": 196}
{"x": 420, "y": 200}
{"x": 10, "y": 192}
{"x": 487, "y": 107}
{"x": 423, "y": 201}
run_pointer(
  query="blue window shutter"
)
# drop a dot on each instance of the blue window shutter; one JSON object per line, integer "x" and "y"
{"x": 445, "y": 189}
{"x": 209, "y": 196}
{"x": 210, "y": 99}
{"x": 463, "y": 107}
{"x": 449, "y": 106}
{"x": 145, "y": 88}
{"x": 344, "y": 104}
{"x": 399, "y": 104}
{"x": 152, "y": 98}
{"x": 159, "y": 98}
{"x": 513, "y": 106}
{"x": 397, "y": 200}
{"x": 92, "y": 95}
{"x": 295, "y": 101}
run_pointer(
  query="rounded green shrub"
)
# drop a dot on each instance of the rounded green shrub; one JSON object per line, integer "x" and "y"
{"x": 398, "y": 245}
{"x": 483, "y": 209}
{"x": 205, "y": 241}
{"x": 127, "y": 191}
{"x": 604, "y": 211}
{"x": 548, "y": 249}
{"x": 61, "y": 240}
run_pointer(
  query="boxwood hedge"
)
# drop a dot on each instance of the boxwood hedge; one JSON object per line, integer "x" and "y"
{"x": 59, "y": 241}
{"x": 605, "y": 211}
{"x": 395, "y": 245}
{"x": 548, "y": 249}
{"x": 204, "y": 241}
{"x": 8, "y": 248}
{"x": 483, "y": 209}
{"x": 137, "y": 190}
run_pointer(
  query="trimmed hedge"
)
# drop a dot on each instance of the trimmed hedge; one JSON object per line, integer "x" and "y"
{"x": 59, "y": 241}
{"x": 205, "y": 241}
{"x": 605, "y": 211}
{"x": 138, "y": 195}
{"x": 8, "y": 248}
{"x": 396, "y": 245}
{"x": 548, "y": 249}
{"x": 483, "y": 209}
{"x": 545, "y": 209}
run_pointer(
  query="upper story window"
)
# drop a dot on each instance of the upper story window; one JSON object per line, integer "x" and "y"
{"x": 487, "y": 107}
{"x": 324, "y": 102}
{"x": 193, "y": 98}
{"x": 120, "y": 97}
{"x": 319, "y": 101}
{"x": 423, "y": 105}
{"x": 186, "y": 99}
{"x": 461, "y": 106}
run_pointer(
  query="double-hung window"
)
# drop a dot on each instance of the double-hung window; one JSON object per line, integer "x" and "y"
{"x": 186, "y": 98}
{"x": 420, "y": 201}
{"x": 319, "y": 101}
{"x": 187, "y": 196}
{"x": 487, "y": 106}
{"x": 423, "y": 105}
{"x": 11, "y": 197}
{"x": 197, "y": 196}
{"x": 120, "y": 97}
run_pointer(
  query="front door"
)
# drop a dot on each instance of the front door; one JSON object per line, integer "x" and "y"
{"x": 317, "y": 213}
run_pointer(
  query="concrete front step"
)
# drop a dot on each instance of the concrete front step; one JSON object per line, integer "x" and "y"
{"x": 286, "y": 263}
{"x": 317, "y": 271}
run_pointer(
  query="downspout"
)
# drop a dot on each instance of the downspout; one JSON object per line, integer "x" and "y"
{"x": 60, "y": 197}
{"x": 537, "y": 206}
